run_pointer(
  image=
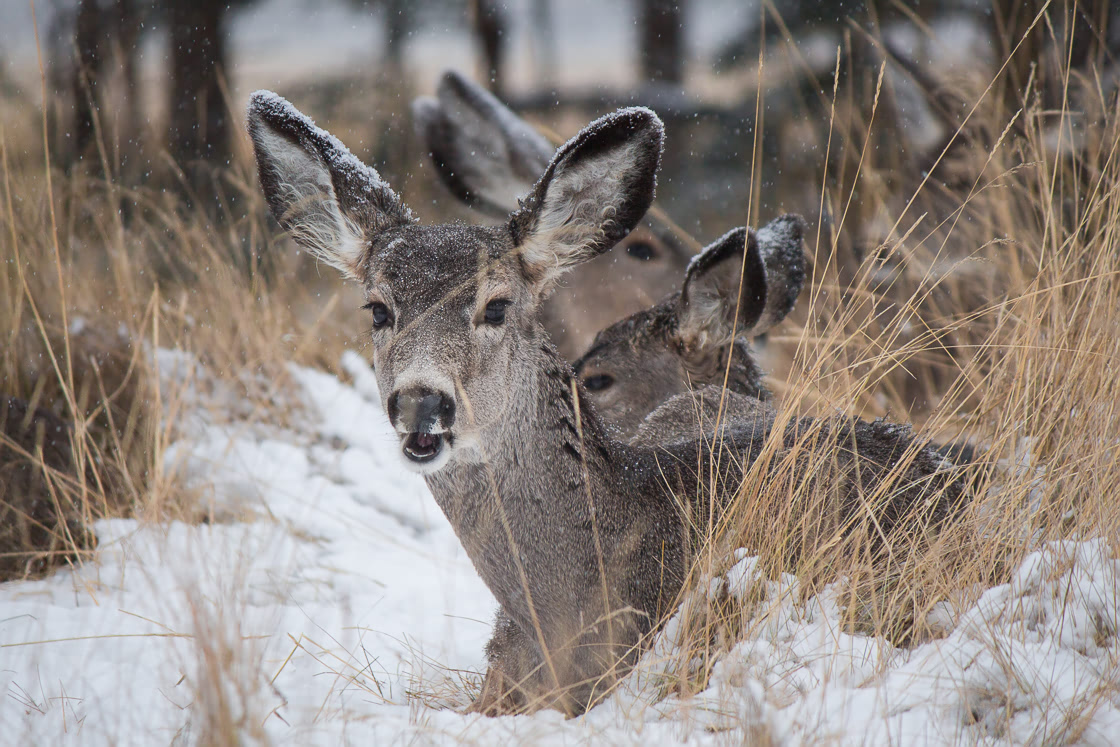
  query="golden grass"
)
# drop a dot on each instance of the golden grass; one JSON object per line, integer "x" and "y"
{"x": 1020, "y": 359}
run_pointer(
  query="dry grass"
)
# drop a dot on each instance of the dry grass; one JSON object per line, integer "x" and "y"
{"x": 97, "y": 274}
{"x": 987, "y": 307}
{"x": 1012, "y": 343}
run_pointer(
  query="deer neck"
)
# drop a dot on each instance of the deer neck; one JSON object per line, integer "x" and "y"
{"x": 555, "y": 513}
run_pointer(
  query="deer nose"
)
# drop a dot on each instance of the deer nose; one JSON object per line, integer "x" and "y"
{"x": 420, "y": 410}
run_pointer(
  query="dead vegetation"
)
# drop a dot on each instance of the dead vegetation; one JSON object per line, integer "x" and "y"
{"x": 1021, "y": 363}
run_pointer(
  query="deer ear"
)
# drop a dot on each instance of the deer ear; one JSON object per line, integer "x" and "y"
{"x": 724, "y": 293}
{"x": 483, "y": 153}
{"x": 779, "y": 244}
{"x": 329, "y": 201}
{"x": 597, "y": 188}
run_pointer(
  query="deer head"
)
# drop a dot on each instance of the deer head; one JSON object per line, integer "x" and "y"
{"x": 487, "y": 157}
{"x": 735, "y": 289}
{"x": 456, "y": 334}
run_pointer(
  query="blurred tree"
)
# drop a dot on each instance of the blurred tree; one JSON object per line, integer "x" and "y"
{"x": 489, "y": 21}
{"x": 543, "y": 48}
{"x": 198, "y": 126}
{"x": 661, "y": 40}
{"x": 88, "y": 36}
{"x": 106, "y": 36}
{"x": 399, "y": 19}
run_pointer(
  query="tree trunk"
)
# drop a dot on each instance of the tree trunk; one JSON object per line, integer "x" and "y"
{"x": 544, "y": 42}
{"x": 88, "y": 35}
{"x": 1010, "y": 20}
{"x": 490, "y": 32}
{"x": 129, "y": 19}
{"x": 198, "y": 123}
{"x": 397, "y": 26}
{"x": 661, "y": 40}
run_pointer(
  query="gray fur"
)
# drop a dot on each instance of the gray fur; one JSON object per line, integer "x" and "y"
{"x": 581, "y": 537}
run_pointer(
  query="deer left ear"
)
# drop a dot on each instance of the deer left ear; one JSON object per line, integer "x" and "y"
{"x": 597, "y": 188}
{"x": 486, "y": 155}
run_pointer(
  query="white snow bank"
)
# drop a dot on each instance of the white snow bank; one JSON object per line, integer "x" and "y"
{"x": 342, "y": 606}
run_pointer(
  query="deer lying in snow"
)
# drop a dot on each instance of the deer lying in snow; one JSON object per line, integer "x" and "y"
{"x": 736, "y": 288}
{"x": 581, "y": 537}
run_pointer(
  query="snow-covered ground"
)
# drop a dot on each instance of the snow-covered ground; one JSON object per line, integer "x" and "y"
{"x": 329, "y": 602}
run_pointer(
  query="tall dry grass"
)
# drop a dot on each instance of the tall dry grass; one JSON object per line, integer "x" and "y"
{"x": 95, "y": 275}
{"x": 988, "y": 311}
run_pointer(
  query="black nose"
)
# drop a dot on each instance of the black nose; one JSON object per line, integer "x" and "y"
{"x": 420, "y": 410}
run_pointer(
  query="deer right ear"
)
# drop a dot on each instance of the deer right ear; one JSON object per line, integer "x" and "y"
{"x": 772, "y": 272}
{"x": 486, "y": 155}
{"x": 597, "y": 188}
{"x": 329, "y": 201}
{"x": 779, "y": 243}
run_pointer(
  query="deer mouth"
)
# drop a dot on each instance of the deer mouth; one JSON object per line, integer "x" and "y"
{"x": 423, "y": 448}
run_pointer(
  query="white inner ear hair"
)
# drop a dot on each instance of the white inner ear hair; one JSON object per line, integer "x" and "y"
{"x": 312, "y": 214}
{"x": 704, "y": 323}
{"x": 579, "y": 205}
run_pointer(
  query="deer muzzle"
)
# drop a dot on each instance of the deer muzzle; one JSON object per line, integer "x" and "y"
{"x": 423, "y": 418}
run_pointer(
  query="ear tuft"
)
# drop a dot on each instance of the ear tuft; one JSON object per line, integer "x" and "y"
{"x": 724, "y": 292}
{"x": 596, "y": 189}
{"x": 326, "y": 198}
{"x": 779, "y": 243}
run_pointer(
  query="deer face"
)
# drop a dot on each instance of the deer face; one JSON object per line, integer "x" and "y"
{"x": 454, "y": 309}
{"x": 735, "y": 289}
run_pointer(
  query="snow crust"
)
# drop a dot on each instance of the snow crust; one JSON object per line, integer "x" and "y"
{"x": 345, "y": 610}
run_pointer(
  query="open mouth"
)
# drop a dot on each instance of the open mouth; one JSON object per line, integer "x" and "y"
{"x": 423, "y": 447}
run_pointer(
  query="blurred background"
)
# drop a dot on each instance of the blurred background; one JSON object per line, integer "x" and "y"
{"x": 746, "y": 87}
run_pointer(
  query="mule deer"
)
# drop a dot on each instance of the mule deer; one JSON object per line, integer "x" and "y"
{"x": 488, "y": 157}
{"x": 579, "y": 536}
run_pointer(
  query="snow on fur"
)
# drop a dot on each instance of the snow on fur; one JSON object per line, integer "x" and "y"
{"x": 341, "y": 609}
{"x": 273, "y": 108}
{"x": 324, "y": 196}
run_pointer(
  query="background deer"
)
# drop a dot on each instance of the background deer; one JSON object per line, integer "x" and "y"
{"x": 488, "y": 157}
{"x": 584, "y": 540}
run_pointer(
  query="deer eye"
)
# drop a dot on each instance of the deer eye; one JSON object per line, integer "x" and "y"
{"x": 380, "y": 311}
{"x": 496, "y": 311}
{"x": 598, "y": 382}
{"x": 642, "y": 251}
